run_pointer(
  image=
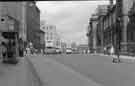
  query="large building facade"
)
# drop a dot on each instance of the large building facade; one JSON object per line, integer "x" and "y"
{"x": 128, "y": 34}
{"x": 114, "y": 28}
{"x": 33, "y": 24}
{"x": 17, "y": 11}
{"x": 95, "y": 30}
{"x": 13, "y": 25}
{"x": 107, "y": 25}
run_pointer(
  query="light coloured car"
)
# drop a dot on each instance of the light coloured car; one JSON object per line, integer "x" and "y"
{"x": 68, "y": 51}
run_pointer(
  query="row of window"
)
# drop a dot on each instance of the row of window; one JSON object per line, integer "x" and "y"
{"x": 49, "y": 38}
{"x": 109, "y": 20}
{"x": 48, "y": 27}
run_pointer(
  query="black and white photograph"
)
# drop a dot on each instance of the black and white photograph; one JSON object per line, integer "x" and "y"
{"x": 67, "y": 43}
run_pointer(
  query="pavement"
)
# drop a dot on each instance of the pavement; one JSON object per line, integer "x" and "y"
{"x": 129, "y": 59}
{"x": 53, "y": 73}
{"x": 20, "y": 74}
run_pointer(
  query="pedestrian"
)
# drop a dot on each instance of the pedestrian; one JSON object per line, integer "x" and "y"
{"x": 3, "y": 51}
{"x": 112, "y": 51}
{"x": 104, "y": 50}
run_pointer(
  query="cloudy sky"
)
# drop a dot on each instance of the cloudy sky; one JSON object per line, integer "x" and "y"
{"x": 70, "y": 17}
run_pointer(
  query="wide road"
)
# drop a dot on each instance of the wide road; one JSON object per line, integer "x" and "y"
{"x": 53, "y": 73}
{"x": 99, "y": 68}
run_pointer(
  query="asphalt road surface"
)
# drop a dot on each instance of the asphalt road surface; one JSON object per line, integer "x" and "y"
{"x": 53, "y": 73}
{"x": 99, "y": 68}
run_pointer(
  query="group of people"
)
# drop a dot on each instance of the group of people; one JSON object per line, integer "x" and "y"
{"x": 6, "y": 49}
{"x": 3, "y": 48}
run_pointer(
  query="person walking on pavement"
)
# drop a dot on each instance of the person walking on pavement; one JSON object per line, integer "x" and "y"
{"x": 104, "y": 50}
{"x": 3, "y": 47}
{"x": 116, "y": 58}
{"x": 112, "y": 51}
{"x": 3, "y": 51}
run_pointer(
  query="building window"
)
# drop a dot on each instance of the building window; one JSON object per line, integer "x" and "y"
{"x": 110, "y": 20}
{"x": 131, "y": 34}
{"x": 114, "y": 17}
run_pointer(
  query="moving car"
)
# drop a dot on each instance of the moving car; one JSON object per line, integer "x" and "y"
{"x": 68, "y": 51}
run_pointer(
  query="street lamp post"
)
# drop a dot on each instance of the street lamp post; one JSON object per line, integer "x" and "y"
{"x": 118, "y": 28}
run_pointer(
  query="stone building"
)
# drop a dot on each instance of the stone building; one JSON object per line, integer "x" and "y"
{"x": 94, "y": 23}
{"x": 115, "y": 27}
{"x": 109, "y": 27}
{"x": 16, "y": 11}
{"x": 101, "y": 11}
{"x": 63, "y": 47}
{"x": 33, "y": 24}
{"x": 95, "y": 30}
{"x": 50, "y": 35}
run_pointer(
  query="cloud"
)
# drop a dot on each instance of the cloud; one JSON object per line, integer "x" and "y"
{"x": 70, "y": 17}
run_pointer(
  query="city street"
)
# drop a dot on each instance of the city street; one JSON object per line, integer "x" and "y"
{"x": 85, "y": 42}
{"x": 86, "y": 69}
{"x": 53, "y": 73}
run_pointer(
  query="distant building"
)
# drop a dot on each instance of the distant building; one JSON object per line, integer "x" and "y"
{"x": 58, "y": 41}
{"x": 50, "y": 35}
{"x": 82, "y": 48}
{"x": 63, "y": 47}
{"x": 73, "y": 45}
{"x": 68, "y": 45}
